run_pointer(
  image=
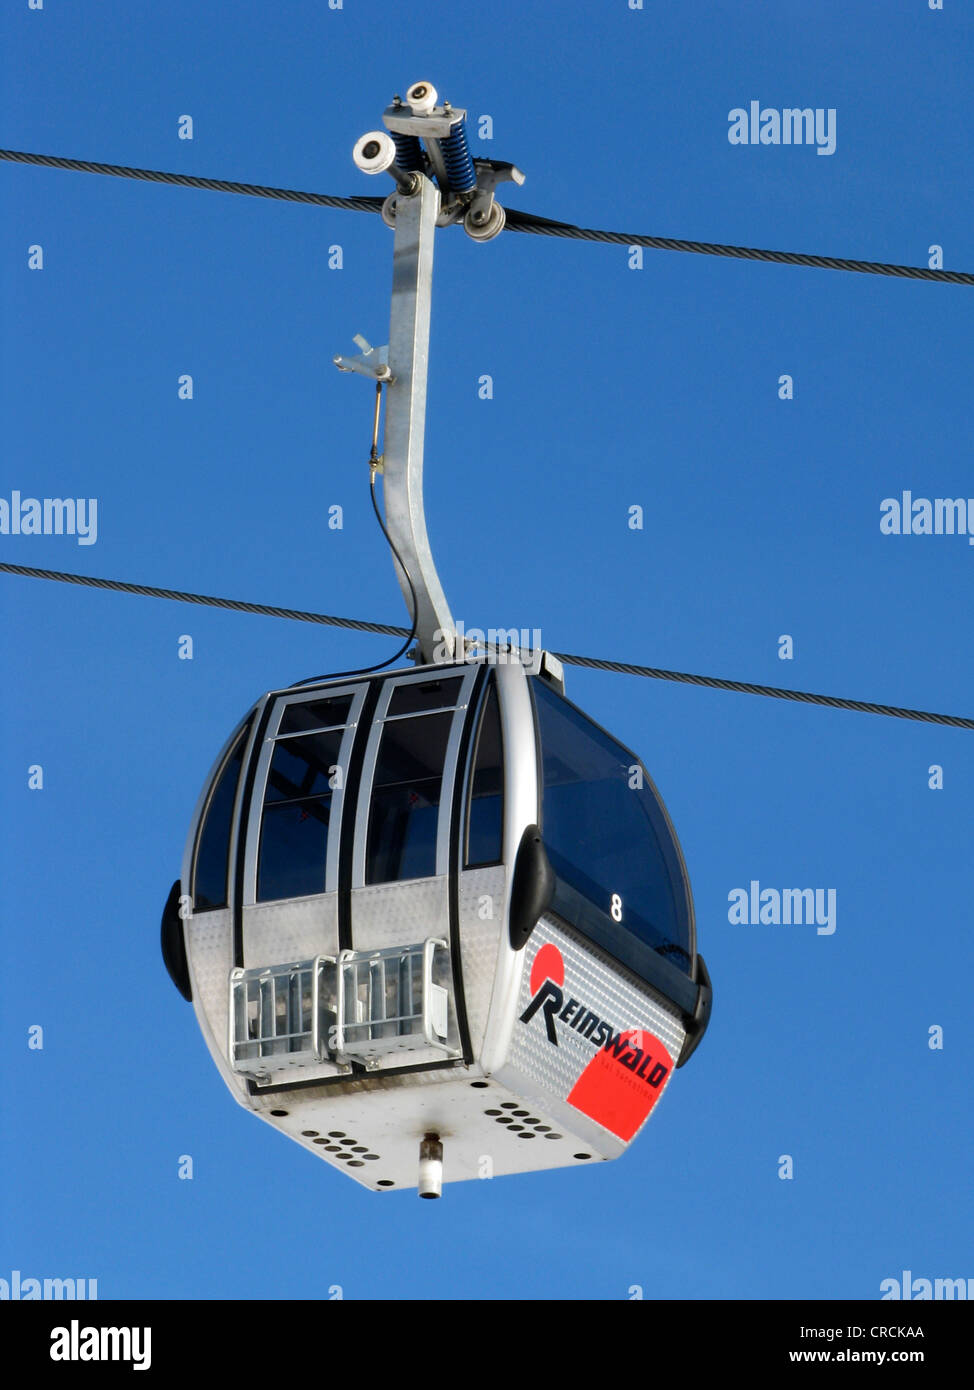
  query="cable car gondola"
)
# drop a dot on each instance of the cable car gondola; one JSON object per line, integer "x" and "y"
{"x": 436, "y": 913}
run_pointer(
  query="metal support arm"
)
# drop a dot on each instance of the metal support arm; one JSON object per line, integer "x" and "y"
{"x": 405, "y": 424}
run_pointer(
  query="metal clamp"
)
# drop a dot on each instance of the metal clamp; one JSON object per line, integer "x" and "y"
{"x": 484, "y": 218}
{"x": 373, "y": 362}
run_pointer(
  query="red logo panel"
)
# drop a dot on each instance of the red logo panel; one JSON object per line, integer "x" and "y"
{"x": 622, "y": 1083}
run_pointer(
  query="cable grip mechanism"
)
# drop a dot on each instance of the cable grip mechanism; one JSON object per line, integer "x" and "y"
{"x": 430, "y": 139}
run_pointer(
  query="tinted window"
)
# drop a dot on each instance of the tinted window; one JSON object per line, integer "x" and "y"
{"x": 404, "y": 811}
{"x": 301, "y": 767}
{"x": 484, "y": 813}
{"x": 315, "y": 714}
{"x": 213, "y": 846}
{"x": 297, "y": 806}
{"x": 413, "y": 697}
{"x": 293, "y": 845}
{"x": 606, "y": 838}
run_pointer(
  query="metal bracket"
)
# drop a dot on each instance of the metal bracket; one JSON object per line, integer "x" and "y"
{"x": 403, "y": 367}
{"x": 490, "y": 172}
{"x": 415, "y": 210}
{"x": 438, "y": 123}
{"x": 373, "y": 362}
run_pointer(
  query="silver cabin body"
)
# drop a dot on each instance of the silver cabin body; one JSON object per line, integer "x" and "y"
{"x": 380, "y": 945}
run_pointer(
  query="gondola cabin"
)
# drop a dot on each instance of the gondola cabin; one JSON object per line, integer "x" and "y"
{"x": 438, "y": 909}
{"x": 435, "y": 923}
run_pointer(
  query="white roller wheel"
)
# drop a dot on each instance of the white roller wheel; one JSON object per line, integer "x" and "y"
{"x": 374, "y": 152}
{"x": 422, "y": 98}
{"x": 486, "y": 231}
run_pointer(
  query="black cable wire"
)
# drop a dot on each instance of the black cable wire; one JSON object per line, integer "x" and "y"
{"x": 516, "y": 221}
{"x": 207, "y": 600}
{"x": 255, "y": 190}
{"x": 375, "y": 462}
{"x": 543, "y": 226}
{"x": 368, "y": 670}
{"x": 954, "y": 721}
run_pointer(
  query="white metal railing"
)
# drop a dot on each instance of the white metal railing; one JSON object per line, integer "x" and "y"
{"x": 280, "y": 1015}
{"x": 360, "y": 1006}
{"x": 389, "y": 1001}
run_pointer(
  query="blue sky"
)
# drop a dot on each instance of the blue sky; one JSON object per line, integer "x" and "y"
{"x": 612, "y": 387}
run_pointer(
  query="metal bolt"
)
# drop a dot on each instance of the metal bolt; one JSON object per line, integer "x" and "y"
{"x": 430, "y": 1166}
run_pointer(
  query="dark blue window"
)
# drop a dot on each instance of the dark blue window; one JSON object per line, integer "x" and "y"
{"x": 213, "y": 845}
{"x": 297, "y": 808}
{"x": 485, "y": 811}
{"x": 404, "y": 814}
{"x": 608, "y": 837}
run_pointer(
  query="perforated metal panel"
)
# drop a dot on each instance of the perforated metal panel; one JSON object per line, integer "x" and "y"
{"x": 483, "y": 910}
{"x": 520, "y": 1120}
{"x": 371, "y": 1130}
{"x": 209, "y": 952}
{"x": 392, "y": 914}
{"x": 292, "y": 929}
{"x": 588, "y": 1042}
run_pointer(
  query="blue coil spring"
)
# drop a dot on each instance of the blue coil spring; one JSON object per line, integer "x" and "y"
{"x": 409, "y": 153}
{"x": 456, "y": 157}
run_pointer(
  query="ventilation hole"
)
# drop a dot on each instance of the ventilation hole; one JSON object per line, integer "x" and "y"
{"x": 492, "y": 1112}
{"x": 280, "y": 1113}
{"x": 479, "y": 1085}
{"x": 360, "y": 1148}
{"x": 330, "y": 1148}
{"x": 552, "y": 1136}
{"x": 581, "y": 1155}
{"x": 336, "y": 1134}
{"x": 532, "y": 1120}
{"x": 309, "y": 1133}
{"x": 385, "y": 1182}
{"x": 516, "y": 1129}
{"x": 355, "y": 1163}
{"x": 324, "y": 1141}
{"x": 542, "y": 1129}
{"x": 521, "y": 1114}
{"x": 527, "y": 1135}
{"x": 504, "y": 1120}
{"x": 374, "y": 1157}
{"x": 343, "y": 1156}
{"x": 508, "y": 1104}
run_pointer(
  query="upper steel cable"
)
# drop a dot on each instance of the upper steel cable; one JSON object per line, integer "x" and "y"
{"x": 254, "y": 190}
{"x": 954, "y": 721}
{"x": 516, "y": 221}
